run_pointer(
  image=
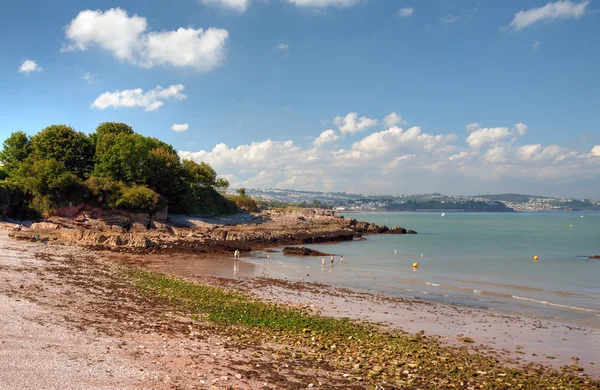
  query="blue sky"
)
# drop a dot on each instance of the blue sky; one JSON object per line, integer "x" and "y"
{"x": 487, "y": 96}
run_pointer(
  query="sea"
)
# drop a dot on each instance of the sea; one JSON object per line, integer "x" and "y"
{"x": 480, "y": 260}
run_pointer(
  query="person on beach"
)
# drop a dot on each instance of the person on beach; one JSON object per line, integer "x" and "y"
{"x": 341, "y": 259}
{"x": 332, "y": 260}
{"x": 323, "y": 260}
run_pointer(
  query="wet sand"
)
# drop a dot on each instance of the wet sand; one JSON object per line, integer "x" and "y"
{"x": 507, "y": 336}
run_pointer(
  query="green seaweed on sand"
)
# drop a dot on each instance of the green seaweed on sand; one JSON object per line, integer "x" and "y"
{"x": 367, "y": 353}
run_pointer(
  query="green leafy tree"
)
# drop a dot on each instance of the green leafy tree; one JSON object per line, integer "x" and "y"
{"x": 104, "y": 191}
{"x": 105, "y": 134}
{"x": 49, "y": 183}
{"x": 241, "y": 192}
{"x": 126, "y": 157}
{"x": 168, "y": 177}
{"x": 15, "y": 150}
{"x": 63, "y": 144}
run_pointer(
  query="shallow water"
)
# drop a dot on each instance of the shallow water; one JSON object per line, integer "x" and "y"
{"x": 475, "y": 259}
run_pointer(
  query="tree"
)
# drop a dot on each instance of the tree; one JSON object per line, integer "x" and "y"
{"x": 126, "y": 157}
{"x": 109, "y": 130}
{"x": 15, "y": 150}
{"x": 49, "y": 183}
{"x": 241, "y": 192}
{"x": 63, "y": 144}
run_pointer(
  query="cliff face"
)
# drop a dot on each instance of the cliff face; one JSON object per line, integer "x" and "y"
{"x": 118, "y": 231}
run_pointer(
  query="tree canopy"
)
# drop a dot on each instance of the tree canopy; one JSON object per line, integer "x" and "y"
{"x": 113, "y": 167}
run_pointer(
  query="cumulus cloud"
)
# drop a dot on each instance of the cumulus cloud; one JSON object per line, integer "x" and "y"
{"x": 326, "y": 137}
{"x": 480, "y": 136}
{"x": 471, "y": 127}
{"x": 129, "y": 39}
{"x": 521, "y": 129}
{"x": 131, "y": 98}
{"x": 324, "y": 3}
{"x": 352, "y": 124}
{"x": 405, "y": 12}
{"x": 405, "y": 160}
{"x": 235, "y": 5}
{"x": 487, "y": 135}
{"x": 393, "y": 119}
{"x": 180, "y": 127}
{"x": 29, "y": 66}
{"x": 564, "y": 9}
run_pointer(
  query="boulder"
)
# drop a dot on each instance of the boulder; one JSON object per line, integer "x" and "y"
{"x": 397, "y": 230}
{"x": 302, "y": 251}
{"x": 411, "y": 232}
{"x": 44, "y": 226}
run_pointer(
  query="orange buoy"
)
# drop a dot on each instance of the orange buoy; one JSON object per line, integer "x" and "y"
{"x": 415, "y": 265}
{"x": 535, "y": 258}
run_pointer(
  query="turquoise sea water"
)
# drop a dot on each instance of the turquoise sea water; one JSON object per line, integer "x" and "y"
{"x": 476, "y": 259}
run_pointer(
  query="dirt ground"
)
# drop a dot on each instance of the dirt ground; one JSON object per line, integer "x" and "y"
{"x": 66, "y": 323}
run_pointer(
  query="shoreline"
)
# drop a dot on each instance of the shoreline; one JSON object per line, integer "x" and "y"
{"x": 506, "y": 335}
{"x": 148, "y": 342}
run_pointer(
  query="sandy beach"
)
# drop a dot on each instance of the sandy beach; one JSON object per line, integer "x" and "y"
{"x": 67, "y": 322}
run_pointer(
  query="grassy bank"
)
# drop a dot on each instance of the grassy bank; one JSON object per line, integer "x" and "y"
{"x": 367, "y": 354}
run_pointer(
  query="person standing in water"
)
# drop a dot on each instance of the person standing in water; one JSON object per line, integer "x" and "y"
{"x": 323, "y": 260}
{"x": 341, "y": 259}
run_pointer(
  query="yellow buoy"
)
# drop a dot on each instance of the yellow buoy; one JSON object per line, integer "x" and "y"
{"x": 415, "y": 265}
{"x": 535, "y": 258}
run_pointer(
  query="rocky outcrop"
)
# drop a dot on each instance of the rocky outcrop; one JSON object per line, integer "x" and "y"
{"x": 302, "y": 251}
{"x": 128, "y": 231}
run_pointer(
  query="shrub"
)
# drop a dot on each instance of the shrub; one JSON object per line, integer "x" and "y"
{"x": 141, "y": 199}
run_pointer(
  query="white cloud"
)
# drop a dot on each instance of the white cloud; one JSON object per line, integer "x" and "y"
{"x": 487, "y": 135}
{"x": 127, "y": 38}
{"x": 352, "y": 124}
{"x": 411, "y": 160}
{"x": 535, "y": 45}
{"x": 564, "y": 9}
{"x": 458, "y": 157}
{"x": 282, "y": 47}
{"x": 131, "y": 98}
{"x": 236, "y": 5}
{"x": 521, "y": 129}
{"x": 480, "y": 136}
{"x": 397, "y": 162}
{"x": 471, "y": 127}
{"x": 393, "y": 119}
{"x": 405, "y": 12}
{"x": 326, "y": 137}
{"x": 29, "y": 66}
{"x": 180, "y": 127}
{"x": 324, "y": 3}
{"x": 88, "y": 77}
{"x": 450, "y": 18}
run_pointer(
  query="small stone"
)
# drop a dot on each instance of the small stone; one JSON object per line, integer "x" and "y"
{"x": 311, "y": 385}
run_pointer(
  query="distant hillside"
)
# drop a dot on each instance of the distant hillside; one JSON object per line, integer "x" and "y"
{"x": 514, "y": 198}
{"x": 434, "y": 205}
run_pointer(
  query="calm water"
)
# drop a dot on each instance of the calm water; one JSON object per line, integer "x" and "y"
{"x": 477, "y": 259}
